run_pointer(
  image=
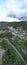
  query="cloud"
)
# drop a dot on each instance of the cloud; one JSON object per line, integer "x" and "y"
{"x": 24, "y": 9}
{"x": 25, "y": 4}
{"x": 17, "y": 8}
{"x": 13, "y": 5}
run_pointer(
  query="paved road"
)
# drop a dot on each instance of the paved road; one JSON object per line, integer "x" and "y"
{"x": 16, "y": 50}
{"x": 1, "y": 54}
{"x": 1, "y": 32}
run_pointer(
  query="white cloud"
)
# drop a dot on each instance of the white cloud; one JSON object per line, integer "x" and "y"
{"x": 14, "y": 6}
{"x": 10, "y": 5}
{"x": 25, "y": 3}
{"x": 6, "y": 19}
{"x": 24, "y": 6}
{"x": 24, "y": 9}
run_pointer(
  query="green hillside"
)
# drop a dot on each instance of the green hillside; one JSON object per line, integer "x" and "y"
{"x": 13, "y": 39}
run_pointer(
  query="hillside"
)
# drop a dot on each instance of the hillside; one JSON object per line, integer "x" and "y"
{"x": 13, "y": 43}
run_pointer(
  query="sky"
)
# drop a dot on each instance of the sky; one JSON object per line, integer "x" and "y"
{"x": 13, "y": 7}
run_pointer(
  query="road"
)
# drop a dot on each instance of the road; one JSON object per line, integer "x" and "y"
{"x": 18, "y": 53}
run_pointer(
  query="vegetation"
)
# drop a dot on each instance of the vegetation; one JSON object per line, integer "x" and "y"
{"x": 17, "y": 36}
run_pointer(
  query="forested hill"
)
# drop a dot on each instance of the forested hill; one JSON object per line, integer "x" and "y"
{"x": 15, "y": 24}
{"x": 13, "y": 43}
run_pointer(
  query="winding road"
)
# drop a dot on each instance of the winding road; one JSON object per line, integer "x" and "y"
{"x": 18, "y": 53}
